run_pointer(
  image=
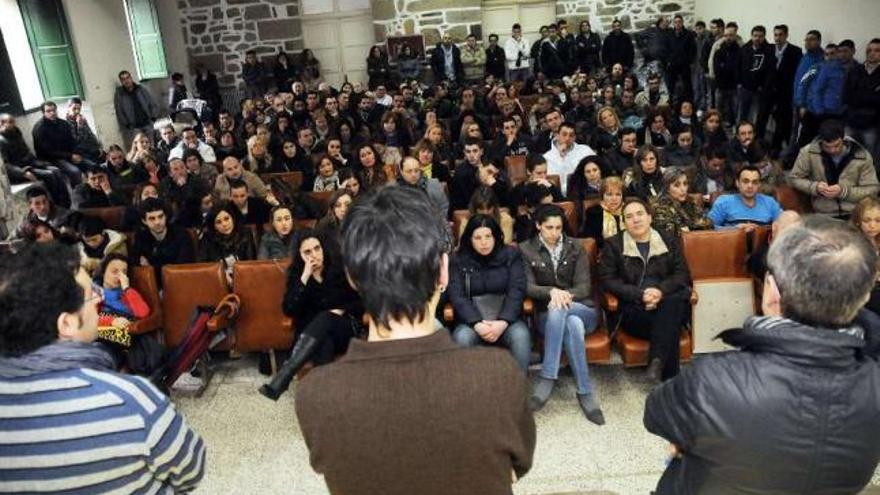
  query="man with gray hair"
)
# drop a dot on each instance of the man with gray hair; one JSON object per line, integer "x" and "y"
{"x": 797, "y": 409}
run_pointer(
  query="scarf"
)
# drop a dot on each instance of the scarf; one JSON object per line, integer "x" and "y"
{"x": 610, "y": 223}
{"x": 555, "y": 252}
{"x": 61, "y": 355}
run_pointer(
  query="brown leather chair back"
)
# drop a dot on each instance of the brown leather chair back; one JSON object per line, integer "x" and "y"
{"x": 323, "y": 199}
{"x": 527, "y": 102}
{"x": 516, "y": 169}
{"x": 759, "y": 237}
{"x": 261, "y": 325}
{"x": 792, "y": 199}
{"x": 193, "y": 235}
{"x": 598, "y": 343}
{"x": 715, "y": 253}
{"x": 113, "y": 216}
{"x": 568, "y": 207}
{"x": 299, "y": 224}
{"x": 185, "y": 288}
{"x": 555, "y": 180}
{"x": 292, "y": 179}
{"x": 143, "y": 280}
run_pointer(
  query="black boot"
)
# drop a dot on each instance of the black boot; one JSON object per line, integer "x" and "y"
{"x": 299, "y": 356}
{"x": 655, "y": 370}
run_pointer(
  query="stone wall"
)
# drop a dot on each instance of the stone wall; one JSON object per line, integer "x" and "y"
{"x": 634, "y": 15}
{"x": 218, "y": 32}
{"x": 431, "y": 18}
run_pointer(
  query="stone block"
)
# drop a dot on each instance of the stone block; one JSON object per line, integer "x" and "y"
{"x": 292, "y": 10}
{"x": 206, "y": 39}
{"x": 409, "y": 26}
{"x": 256, "y": 12}
{"x": 431, "y": 5}
{"x": 279, "y": 29}
{"x": 384, "y": 10}
{"x": 293, "y": 46}
{"x": 464, "y": 16}
{"x": 610, "y": 10}
{"x": 279, "y": 2}
{"x": 230, "y": 2}
{"x": 432, "y": 36}
{"x": 458, "y": 33}
{"x": 203, "y": 3}
{"x": 217, "y": 13}
{"x": 560, "y": 9}
{"x": 198, "y": 27}
{"x": 233, "y": 13}
{"x": 250, "y": 37}
{"x": 433, "y": 21}
{"x": 217, "y": 38}
{"x": 213, "y": 61}
{"x": 670, "y": 7}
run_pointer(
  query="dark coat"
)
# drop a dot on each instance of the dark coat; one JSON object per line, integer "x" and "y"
{"x": 757, "y": 68}
{"x": 215, "y": 248}
{"x": 438, "y": 63}
{"x": 175, "y": 248}
{"x": 588, "y": 48}
{"x": 783, "y": 83}
{"x": 726, "y": 65}
{"x": 14, "y": 149}
{"x": 681, "y": 48}
{"x": 618, "y": 48}
{"x": 795, "y": 411}
{"x": 378, "y": 70}
{"x": 496, "y": 61}
{"x": 304, "y": 302}
{"x": 592, "y": 224}
{"x": 84, "y": 196}
{"x": 53, "y": 139}
{"x": 553, "y": 59}
{"x": 862, "y": 96}
{"x": 504, "y": 273}
{"x": 572, "y": 272}
{"x": 626, "y": 274}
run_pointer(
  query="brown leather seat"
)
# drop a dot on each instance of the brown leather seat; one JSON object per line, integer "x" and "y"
{"x": 292, "y": 179}
{"x": 792, "y": 199}
{"x": 598, "y": 343}
{"x": 261, "y": 325}
{"x": 634, "y": 351}
{"x": 715, "y": 253}
{"x": 143, "y": 280}
{"x": 516, "y": 169}
{"x": 185, "y": 288}
{"x": 555, "y": 180}
{"x": 569, "y": 209}
{"x": 323, "y": 199}
{"x": 113, "y": 216}
{"x": 299, "y": 224}
{"x": 759, "y": 238}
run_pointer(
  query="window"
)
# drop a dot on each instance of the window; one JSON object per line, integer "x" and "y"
{"x": 146, "y": 39}
{"x": 49, "y": 38}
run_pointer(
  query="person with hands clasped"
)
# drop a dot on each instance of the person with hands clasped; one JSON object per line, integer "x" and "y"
{"x": 558, "y": 274}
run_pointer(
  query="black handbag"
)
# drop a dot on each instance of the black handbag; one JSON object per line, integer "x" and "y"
{"x": 489, "y": 305}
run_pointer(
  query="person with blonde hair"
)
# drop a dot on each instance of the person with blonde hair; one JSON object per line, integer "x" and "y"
{"x": 603, "y": 220}
{"x": 258, "y": 158}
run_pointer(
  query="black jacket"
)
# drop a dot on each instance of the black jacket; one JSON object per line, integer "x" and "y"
{"x": 53, "y": 139}
{"x": 438, "y": 63}
{"x": 681, "y": 48}
{"x": 626, "y": 274}
{"x": 378, "y": 70}
{"x": 784, "y": 80}
{"x": 496, "y": 61}
{"x": 757, "y": 67}
{"x": 175, "y": 248}
{"x": 795, "y": 411}
{"x": 504, "y": 273}
{"x": 726, "y": 65}
{"x": 618, "y": 48}
{"x": 465, "y": 181}
{"x": 588, "y": 49}
{"x": 572, "y": 272}
{"x": 14, "y": 149}
{"x": 862, "y": 96}
{"x": 84, "y": 196}
{"x": 240, "y": 245}
{"x": 553, "y": 59}
{"x": 304, "y": 302}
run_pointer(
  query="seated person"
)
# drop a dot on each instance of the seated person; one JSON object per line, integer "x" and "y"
{"x": 685, "y": 150}
{"x": 54, "y": 142}
{"x": 120, "y": 171}
{"x": 327, "y": 178}
{"x": 738, "y": 150}
{"x": 225, "y": 238}
{"x": 258, "y": 159}
{"x": 508, "y": 142}
{"x": 159, "y": 242}
{"x": 645, "y": 178}
{"x": 772, "y": 173}
{"x": 746, "y": 208}
{"x": 197, "y": 168}
{"x": 35, "y": 231}
{"x": 484, "y": 202}
{"x": 648, "y": 274}
{"x": 22, "y": 166}
{"x": 565, "y": 154}
{"x": 536, "y": 173}
{"x": 534, "y": 195}
{"x": 586, "y": 180}
{"x": 168, "y": 140}
{"x": 96, "y": 191}
{"x": 96, "y": 242}
{"x": 180, "y": 188}
{"x": 121, "y": 305}
{"x": 49, "y": 327}
{"x": 330, "y": 226}
{"x": 368, "y": 168}
{"x": 190, "y": 140}
{"x": 233, "y": 170}
{"x": 866, "y": 218}
{"x": 487, "y": 285}
{"x": 603, "y": 220}
{"x": 835, "y": 170}
{"x": 276, "y": 243}
{"x": 558, "y": 273}
{"x": 86, "y": 141}
{"x": 757, "y": 261}
{"x": 41, "y": 207}
{"x": 411, "y": 176}
{"x": 252, "y": 211}
{"x": 713, "y": 176}
{"x": 324, "y": 305}
{"x": 424, "y": 151}
{"x": 623, "y": 156}
{"x": 473, "y": 173}
{"x": 674, "y": 209}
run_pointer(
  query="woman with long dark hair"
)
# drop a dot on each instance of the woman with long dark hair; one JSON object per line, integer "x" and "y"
{"x": 324, "y": 305}
{"x": 378, "y": 68}
{"x": 369, "y": 167}
{"x": 586, "y": 180}
{"x": 225, "y": 238}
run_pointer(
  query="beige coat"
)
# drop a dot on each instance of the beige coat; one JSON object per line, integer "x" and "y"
{"x": 857, "y": 180}
{"x": 474, "y": 62}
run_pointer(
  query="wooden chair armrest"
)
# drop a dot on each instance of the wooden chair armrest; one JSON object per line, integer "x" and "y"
{"x": 149, "y": 324}
{"x": 448, "y": 313}
{"x": 610, "y": 302}
{"x": 528, "y": 307}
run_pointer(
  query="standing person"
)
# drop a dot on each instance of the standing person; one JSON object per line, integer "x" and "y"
{"x": 862, "y": 98}
{"x": 473, "y": 60}
{"x": 409, "y": 385}
{"x": 588, "y": 47}
{"x": 254, "y": 75}
{"x": 311, "y": 68}
{"x": 788, "y": 59}
{"x": 446, "y": 61}
{"x": 558, "y": 272}
{"x": 726, "y": 67}
{"x": 177, "y": 92}
{"x": 552, "y": 54}
{"x": 516, "y": 50}
{"x": 378, "y": 69}
{"x": 617, "y": 47}
{"x": 810, "y": 424}
{"x": 116, "y": 429}
{"x": 208, "y": 88}
{"x": 682, "y": 51}
{"x": 285, "y": 72}
{"x": 495, "y": 59}
{"x": 136, "y": 109}
{"x": 647, "y": 272}
{"x": 702, "y": 93}
{"x": 757, "y": 69}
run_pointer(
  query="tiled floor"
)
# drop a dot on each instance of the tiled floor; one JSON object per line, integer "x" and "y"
{"x": 255, "y": 446}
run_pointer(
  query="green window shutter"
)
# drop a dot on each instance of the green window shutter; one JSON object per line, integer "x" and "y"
{"x": 51, "y": 47}
{"x": 146, "y": 37}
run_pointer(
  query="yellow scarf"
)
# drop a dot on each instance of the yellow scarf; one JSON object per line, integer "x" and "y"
{"x": 609, "y": 224}
{"x": 426, "y": 171}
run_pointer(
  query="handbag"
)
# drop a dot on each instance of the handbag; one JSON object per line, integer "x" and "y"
{"x": 489, "y": 305}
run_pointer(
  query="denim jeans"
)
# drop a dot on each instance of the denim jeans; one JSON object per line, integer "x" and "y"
{"x": 869, "y": 139}
{"x": 566, "y": 328}
{"x": 516, "y": 338}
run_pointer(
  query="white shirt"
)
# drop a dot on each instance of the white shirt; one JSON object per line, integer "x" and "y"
{"x": 512, "y": 48}
{"x": 385, "y": 100}
{"x": 563, "y": 166}
{"x": 206, "y": 151}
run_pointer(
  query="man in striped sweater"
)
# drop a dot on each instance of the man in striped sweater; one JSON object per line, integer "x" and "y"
{"x": 68, "y": 422}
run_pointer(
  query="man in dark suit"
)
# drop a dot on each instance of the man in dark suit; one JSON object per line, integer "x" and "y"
{"x": 446, "y": 61}
{"x": 788, "y": 57}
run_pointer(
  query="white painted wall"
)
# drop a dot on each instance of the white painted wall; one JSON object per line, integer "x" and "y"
{"x": 837, "y": 20}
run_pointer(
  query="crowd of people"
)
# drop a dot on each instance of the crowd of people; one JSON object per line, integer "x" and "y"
{"x": 699, "y": 138}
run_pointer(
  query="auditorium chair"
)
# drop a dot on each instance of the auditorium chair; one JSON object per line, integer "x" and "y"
{"x": 570, "y": 211}
{"x": 323, "y": 199}
{"x": 261, "y": 325}
{"x": 304, "y": 223}
{"x": 292, "y": 179}
{"x": 112, "y": 216}
{"x": 460, "y": 217}
{"x": 516, "y": 169}
{"x": 527, "y": 102}
{"x": 187, "y": 287}
{"x": 143, "y": 280}
{"x": 790, "y": 198}
{"x": 555, "y": 180}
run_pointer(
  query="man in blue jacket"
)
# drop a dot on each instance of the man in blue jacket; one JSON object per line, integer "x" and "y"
{"x": 803, "y": 79}
{"x": 825, "y": 95}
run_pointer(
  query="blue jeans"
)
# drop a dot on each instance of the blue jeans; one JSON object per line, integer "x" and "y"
{"x": 516, "y": 338}
{"x": 567, "y": 328}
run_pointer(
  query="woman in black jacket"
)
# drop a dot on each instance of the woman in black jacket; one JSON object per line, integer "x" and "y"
{"x": 378, "y": 68}
{"x": 285, "y": 72}
{"x": 647, "y": 272}
{"x": 325, "y": 307}
{"x": 487, "y": 285}
{"x": 225, "y": 238}
{"x": 604, "y": 219}
{"x": 645, "y": 179}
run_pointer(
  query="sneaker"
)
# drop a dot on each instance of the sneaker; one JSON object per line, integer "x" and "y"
{"x": 590, "y": 406}
{"x": 188, "y": 383}
{"x": 541, "y": 390}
